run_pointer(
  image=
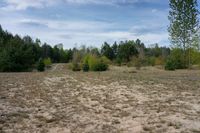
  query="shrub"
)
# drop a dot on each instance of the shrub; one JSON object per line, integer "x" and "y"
{"x": 159, "y": 61}
{"x": 97, "y": 63}
{"x": 151, "y": 61}
{"x": 137, "y": 63}
{"x": 85, "y": 67}
{"x": 76, "y": 67}
{"x": 106, "y": 60}
{"x": 41, "y": 66}
{"x": 178, "y": 59}
{"x": 118, "y": 61}
{"x": 47, "y": 62}
{"x": 170, "y": 65}
{"x": 100, "y": 66}
{"x": 130, "y": 64}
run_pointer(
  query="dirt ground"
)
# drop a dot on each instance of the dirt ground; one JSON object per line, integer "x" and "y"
{"x": 121, "y": 100}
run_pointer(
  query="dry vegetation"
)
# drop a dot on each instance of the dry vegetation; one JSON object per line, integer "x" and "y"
{"x": 119, "y": 100}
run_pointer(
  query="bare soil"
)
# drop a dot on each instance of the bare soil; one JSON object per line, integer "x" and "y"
{"x": 121, "y": 100}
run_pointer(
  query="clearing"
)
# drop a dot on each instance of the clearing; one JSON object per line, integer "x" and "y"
{"x": 119, "y": 100}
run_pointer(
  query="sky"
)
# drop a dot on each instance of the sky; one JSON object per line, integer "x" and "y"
{"x": 87, "y": 22}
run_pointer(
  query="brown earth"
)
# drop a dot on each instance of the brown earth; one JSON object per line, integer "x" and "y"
{"x": 121, "y": 100}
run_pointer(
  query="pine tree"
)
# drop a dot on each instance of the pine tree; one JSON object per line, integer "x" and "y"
{"x": 41, "y": 65}
{"x": 184, "y": 23}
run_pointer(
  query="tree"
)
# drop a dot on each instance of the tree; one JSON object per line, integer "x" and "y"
{"x": 183, "y": 17}
{"x": 41, "y": 66}
{"x": 196, "y": 41}
{"x": 86, "y": 66}
{"x": 107, "y": 51}
{"x": 69, "y": 55}
{"x": 127, "y": 50}
{"x": 141, "y": 48}
{"x": 115, "y": 49}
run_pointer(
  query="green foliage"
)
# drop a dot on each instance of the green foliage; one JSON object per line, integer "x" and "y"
{"x": 47, "y": 62}
{"x": 76, "y": 67}
{"x": 135, "y": 62}
{"x": 96, "y": 63}
{"x": 41, "y": 66}
{"x": 85, "y": 67}
{"x": 107, "y": 51}
{"x": 194, "y": 56}
{"x": 170, "y": 65}
{"x": 16, "y": 59}
{"x": 184, "y": 24}
{"x": 21, "y": 54}
{"x": 178, "y": 59}
{"x": 126, "y": 50}
{"x": 159, "y": 61}
{"x": 151, "y": 61}
{"x": 118, "y": 61}
{"x": 106, "y": 60}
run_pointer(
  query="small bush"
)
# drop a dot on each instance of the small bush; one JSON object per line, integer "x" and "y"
{"x": 85, "y": 67}
{"x": 97, "y": 63}
{"x": 106, "y": 60}
{"x": 76, "y": 67}
{"x": 177, "y": 57}
{"x": 159, "y": 61}
{"x": 100, "y": 66}
{"x": 47, "y": 62}
{"x": 170, "y": 65}
{"x": 151, "y": 61}
{"x": 135, "y": 62}
{"x": 118, "y": 61}
{"x": 41, "y": 66}
{"x": 130, "y": 64}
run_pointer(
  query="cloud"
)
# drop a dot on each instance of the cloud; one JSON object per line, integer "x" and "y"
{"x": 147, "y": 29}
{"x": 111, "y": 2}
{"x": 81, "y": 32}
{"x": 72, "y": 26}
{"x": 12, "y": 5}
{"x": 80, "y": 26}
{"x": 32, "y": 23}
{"x": 154, "y": 10}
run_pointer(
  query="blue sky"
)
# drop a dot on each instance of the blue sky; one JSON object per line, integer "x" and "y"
{"x": 87, "y": 22}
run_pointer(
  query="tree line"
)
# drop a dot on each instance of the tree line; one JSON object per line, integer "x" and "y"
{"x": 25, "y": 54}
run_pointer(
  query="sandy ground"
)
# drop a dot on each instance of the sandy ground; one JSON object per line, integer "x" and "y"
{"x": 121, "y": 100}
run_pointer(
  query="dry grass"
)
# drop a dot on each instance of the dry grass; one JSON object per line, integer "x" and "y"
{"x": 119, "y": 100}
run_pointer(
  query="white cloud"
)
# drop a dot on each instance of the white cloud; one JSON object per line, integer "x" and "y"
{"x": 85, "y": 26}
{"x": 154, "y": 10}
{"x": 73, "y": 32}
{"x": 85, "y": 31}
{"x": 24, "y": 4}
{"x": 12, "y": 5}
{"x": 101, "y": 1}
